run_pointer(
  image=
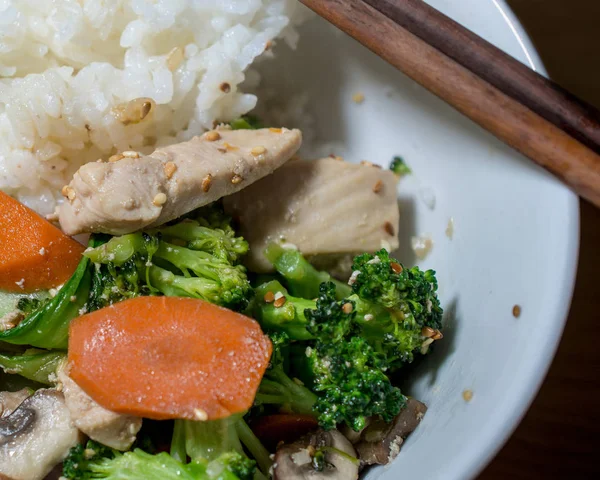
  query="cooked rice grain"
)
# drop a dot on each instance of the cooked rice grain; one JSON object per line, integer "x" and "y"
{"x": 69, "y": 69}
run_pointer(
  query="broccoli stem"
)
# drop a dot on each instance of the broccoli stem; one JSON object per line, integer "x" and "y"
{"x": 252, "y": 443}
{"x": 288, "y": 318}
{"x": 301, "y": 277}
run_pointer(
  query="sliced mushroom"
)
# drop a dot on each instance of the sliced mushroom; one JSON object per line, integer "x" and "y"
{"x": 380, "y": 442}
{"x": 319, "y": 455}
{"x": 9, "y": 401}
{"x": 109, "y": 428}
{"x": 36, "y": 436}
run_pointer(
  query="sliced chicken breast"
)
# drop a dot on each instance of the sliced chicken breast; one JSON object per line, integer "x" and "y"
{"x": 132, "y": 191}
{"x": 323, "y": 206}
{"x": 109, "y": 428}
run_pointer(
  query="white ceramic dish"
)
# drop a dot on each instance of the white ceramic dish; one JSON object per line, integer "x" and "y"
{"x": 515, "y": 238}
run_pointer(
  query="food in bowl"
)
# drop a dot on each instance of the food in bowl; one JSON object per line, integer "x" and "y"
{"x": 194, "y": 337}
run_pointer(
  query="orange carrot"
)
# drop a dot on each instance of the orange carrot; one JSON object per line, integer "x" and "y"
{"x": 282, "y": 427}
{"x": 168, "y": 357}
{"x": 34, "y": 254}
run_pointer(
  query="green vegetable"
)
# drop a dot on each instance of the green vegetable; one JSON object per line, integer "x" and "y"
{"x": 399, "y": 167}
{"x": 26, "y": 303}
{"x": 301, "y": 277}
{"x": 192, "y": 258}
{"x": 278, "y": 389}
{"x": 95, "y": 461}
{"x": 246, "y": 122}
{"x": 393, "y": 305}
{"x": 218, "y": 439}
{"x": 48, "y": 325}
{"x": 335, "y": 361}
{"x": 33, "y": 364}
{"x": 288, "y": 318}
{"x": 343, "y": 350}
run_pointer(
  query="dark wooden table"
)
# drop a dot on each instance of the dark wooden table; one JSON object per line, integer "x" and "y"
{"x": 560, "y": 435}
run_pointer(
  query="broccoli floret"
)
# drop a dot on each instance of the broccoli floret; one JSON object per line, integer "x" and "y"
{"x": 302, "y": 279}
{"x": 278, "y": 389}
{"x": 344, "y": 371}
{"x": 394, "y": 304}
{"x": 399, "y": 166}
{"x": 27, "y": 305}
{"x": 95, "y": 461}
{"x": 188, "y": 258}
{"x": 218, "y": 441}
{"x": 349, "y": 376}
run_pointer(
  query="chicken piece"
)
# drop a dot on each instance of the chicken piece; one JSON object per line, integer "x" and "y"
{"x": 131, "y": 191}
{"x": 322, "y": 207}
{"x": 109, "y": 428}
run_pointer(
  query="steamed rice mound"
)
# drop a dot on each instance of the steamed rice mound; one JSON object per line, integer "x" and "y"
{"x": 80, "y": 81}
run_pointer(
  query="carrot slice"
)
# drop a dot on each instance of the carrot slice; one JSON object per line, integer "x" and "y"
{"x": 282, "y": 427}
{"x": 168, "y": 357}
{"x": 34, "y": 254}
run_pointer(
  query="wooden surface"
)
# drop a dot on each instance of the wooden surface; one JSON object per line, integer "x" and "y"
{"x": 560, "y": 435}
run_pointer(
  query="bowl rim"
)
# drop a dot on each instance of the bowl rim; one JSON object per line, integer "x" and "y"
{"x": 508, "y": 417}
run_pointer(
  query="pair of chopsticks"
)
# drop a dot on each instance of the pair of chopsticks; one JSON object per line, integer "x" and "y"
{"x": 532, "y": 114}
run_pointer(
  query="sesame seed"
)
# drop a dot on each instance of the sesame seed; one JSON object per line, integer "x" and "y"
{"x": 65, "y": 190}
{"x": 516, "y": 311}
{"x": 236, "y": 179}
{"x": 169, "y": 169}
{"x": 268, "y": 44}
{"x": 72, "y": 298}
{"x": 366, "y": 163}
{"x": 146, "y": 107}
{"x": 131, "y": 154}
{"x": 378, "y": 186}
{"x": 467, "y": 395}
{"x": 396, "y": 267}
{"x": 212, "y": 136}
{"x": 427, "y": 332}
{"x": 278, "y": 295}
{"x": 160, "y": 199}
{"x": 225, "y": 87}
{"x": 280, "y": 302}
{"x": 115, "y": 158}
{"x": 229, "y": 147}
{"x": 258, "y": 150}
{"x": 368, "y": 317}
{"x": 269, "y": 297}
{"x": 358, "y": 98}
{"x": 70, "y": 194}
{"x": 389, "y": 229}
{"x": 206, "y": 183}
{"x": 347, "y": 308}
{"x": 275, "y": 130}
{"x": 437, "y": 335}
{"x": 200, "y": 414}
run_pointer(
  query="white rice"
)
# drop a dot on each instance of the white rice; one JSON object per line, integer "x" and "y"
{"x": 69, "y": 68}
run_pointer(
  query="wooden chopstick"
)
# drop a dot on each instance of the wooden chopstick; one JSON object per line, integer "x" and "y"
{"x": 519, "y": 108}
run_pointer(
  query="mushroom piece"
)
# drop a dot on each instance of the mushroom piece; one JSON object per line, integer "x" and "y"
{"x": 9, "y": 401}
{"x": 380, "y": 442}
{"x": 36, "y": 436}
{"x": 319, "y": 455}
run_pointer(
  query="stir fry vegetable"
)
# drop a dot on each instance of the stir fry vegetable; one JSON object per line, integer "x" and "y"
{"x": 34, "y": 254}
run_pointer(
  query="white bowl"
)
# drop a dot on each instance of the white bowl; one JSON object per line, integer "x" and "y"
{"x": 515, "y": 234}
